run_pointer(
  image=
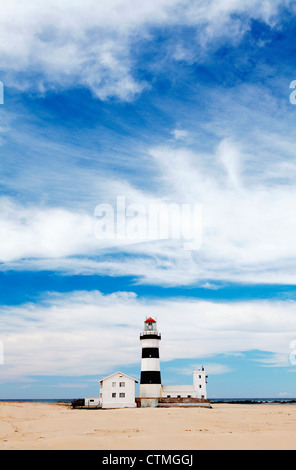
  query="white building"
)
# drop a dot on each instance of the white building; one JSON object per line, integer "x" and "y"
{"x": 197, "y": 390}
{"x": 200, "y": 383}
{"x": 93, "y": 402}
{"x": 118, "y": 391}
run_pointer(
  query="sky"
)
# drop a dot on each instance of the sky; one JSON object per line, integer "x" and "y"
{"x": 111, "y": 110}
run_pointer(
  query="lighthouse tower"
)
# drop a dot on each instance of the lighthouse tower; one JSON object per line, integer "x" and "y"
{"x": 150, "y": 384}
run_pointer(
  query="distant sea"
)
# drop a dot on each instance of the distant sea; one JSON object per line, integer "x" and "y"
{"x": 254, "y": 400}
{"x": 246, "y": 401}
{"x": 39, "y": 400}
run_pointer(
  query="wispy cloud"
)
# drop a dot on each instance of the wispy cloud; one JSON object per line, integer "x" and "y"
{"x": 87, "y": 333}
{"x": 89, "y": 44}
{"x": 248, "y": 229}
{"x": 211, "y": 368}
{"x": 166, "y": 101}
{"x": 180, "y": 134}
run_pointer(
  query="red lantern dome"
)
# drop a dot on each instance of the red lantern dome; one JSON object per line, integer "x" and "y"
{"x": 150, "y": 320}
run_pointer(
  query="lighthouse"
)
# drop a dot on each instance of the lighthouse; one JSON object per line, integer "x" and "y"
{"x": 150, "y": 383}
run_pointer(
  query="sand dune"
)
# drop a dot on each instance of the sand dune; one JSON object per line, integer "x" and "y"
{"x": 225, "y": 426}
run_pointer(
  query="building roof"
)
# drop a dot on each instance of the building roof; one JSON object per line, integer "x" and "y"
{"x": 150, "y": 320}
{"x": 121, "y": 373}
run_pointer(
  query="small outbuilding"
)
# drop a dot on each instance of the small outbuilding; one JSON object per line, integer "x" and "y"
{"x": 197, "y": 390}
{"x": 118, "y": 391}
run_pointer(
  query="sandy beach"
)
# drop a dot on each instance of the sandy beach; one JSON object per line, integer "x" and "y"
{"x": 36, "y": 426}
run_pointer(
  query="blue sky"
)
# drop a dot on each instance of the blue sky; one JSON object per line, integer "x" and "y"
{"x": 174, "y": 101}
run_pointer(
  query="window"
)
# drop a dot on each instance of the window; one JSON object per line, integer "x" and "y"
{"x": 113, "y": 395}
{"x": 178, "y": 396}
{"x": 188, "y": 396}
{"x": 169, "y": 396}
{"x": 200, "y": 386}
{"x": 122, "y": 395}
{"x": 121, "y": 384}
{"x": 199, "y": 376}
{"x": 113, "y": 384}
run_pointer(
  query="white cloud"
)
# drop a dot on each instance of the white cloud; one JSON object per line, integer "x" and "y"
{"x": 286, "y": 395}
{"x": 210, "y": 367}
{"x": 39, "y": 233}
{"x": 183, "y": 54}
{"x": 248, "y": 225}
{"x": 180, "y": 134}
{"x": 87, "y": 333}
{"x": 231, "y": 158}
{"x": 90, "y": 43}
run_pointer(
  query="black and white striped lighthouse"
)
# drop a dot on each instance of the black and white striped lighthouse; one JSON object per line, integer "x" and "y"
{"x": 150, "y": 383}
